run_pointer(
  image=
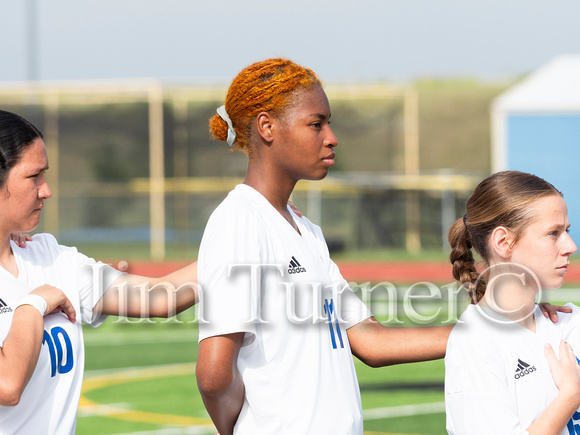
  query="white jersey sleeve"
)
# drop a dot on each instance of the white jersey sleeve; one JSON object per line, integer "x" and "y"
{"x": 477, "y": 400}
{"x": 92, "y": 278}
{"x": 229, "y": 258}
{"x": 95, "y": 278}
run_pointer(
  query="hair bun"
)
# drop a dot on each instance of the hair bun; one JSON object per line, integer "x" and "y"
{"x": 218, "y": 128}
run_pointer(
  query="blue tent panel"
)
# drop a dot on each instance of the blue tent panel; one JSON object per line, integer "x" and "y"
{"x": 549, "y": 146}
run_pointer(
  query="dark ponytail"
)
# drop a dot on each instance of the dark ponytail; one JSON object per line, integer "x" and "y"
{"x": 16, "y": 134}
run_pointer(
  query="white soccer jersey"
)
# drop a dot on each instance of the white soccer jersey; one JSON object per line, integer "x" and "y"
{"x": 259, "y": 276}
{"x": 497, "y": 378}
{"x": 49, "y": 403}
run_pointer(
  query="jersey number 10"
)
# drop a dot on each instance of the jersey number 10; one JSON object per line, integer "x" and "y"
{"x": 55, "y": 341}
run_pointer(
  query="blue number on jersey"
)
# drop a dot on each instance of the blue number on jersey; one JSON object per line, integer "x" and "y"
{"x": 574, "y": 423}
{"x": 329, "y": 311}
{"x": 55, "y": 350}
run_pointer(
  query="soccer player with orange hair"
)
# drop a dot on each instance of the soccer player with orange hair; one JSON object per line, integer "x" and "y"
{"x": 278, "y": 323}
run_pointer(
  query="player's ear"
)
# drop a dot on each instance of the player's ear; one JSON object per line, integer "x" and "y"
{"x": 265, "y": 126}
{"x": 501, "y": 242}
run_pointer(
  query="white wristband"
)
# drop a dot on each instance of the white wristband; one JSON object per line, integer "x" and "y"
{"x": 36, "y": 301}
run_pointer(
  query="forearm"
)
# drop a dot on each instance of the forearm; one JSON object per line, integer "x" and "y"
{"x": 139, "y": 296}
{"x": 225, "y": 406}
{"x": 219, "y": 381}
{"x": 19, "y": 353}
{"x": 417, "y": 344}
{"x": 184, "y": 283}
{"x": 378, "y": 346}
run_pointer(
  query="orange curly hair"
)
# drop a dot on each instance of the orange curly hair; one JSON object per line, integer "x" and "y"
{"x": 265, "y": 86}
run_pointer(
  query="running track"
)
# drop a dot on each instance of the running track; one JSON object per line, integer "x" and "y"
{"x": 395, "y": 272}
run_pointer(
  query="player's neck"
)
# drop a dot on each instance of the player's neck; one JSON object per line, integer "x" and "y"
{"x": 275, "y": 189}
{"x": 7, "y": 259}
{"x": 276, "y": 195}
{"x": 513, "y": 301}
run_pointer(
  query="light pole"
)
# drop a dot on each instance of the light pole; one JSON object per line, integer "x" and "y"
{"x": 32, "y": 41}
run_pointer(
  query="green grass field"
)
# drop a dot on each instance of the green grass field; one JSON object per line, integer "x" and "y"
{"x": 140, "y": 378}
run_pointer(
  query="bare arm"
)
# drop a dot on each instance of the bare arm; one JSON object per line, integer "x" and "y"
{"x": 377, "y": 345}
{"x": 140, "y": 296}
{"x": 566, "y": 374}
{"x": 219, "y": 380}
{"x": 21, "y": 348}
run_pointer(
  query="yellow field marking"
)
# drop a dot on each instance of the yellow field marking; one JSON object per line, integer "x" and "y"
{"x": 140, "y": 416}
{"x": 366, "y": 432}
{"x": 122, "y": 377}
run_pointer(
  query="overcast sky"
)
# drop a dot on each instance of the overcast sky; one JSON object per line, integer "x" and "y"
{"x": 199, "y": 41}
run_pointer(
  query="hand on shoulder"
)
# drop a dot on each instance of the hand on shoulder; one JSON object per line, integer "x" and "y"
{"x": 20, "y": 239}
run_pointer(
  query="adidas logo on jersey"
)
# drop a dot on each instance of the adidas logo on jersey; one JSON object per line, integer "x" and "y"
{"x": 295, "y": 267}
{"x": 523, "y": 369}
{"x": 4, "y": 308}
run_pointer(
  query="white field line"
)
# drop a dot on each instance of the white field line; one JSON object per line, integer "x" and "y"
{"x": 142, "y": 372}
{"x": 124, "y": 338}
{"x": 403, "y": 410}
{"x": 175, "y": 431}
{"x": 101, "y": 410}
{"x": 189, "y": 368}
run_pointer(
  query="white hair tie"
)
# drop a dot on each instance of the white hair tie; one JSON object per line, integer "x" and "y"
{"x": 221, "y": 111}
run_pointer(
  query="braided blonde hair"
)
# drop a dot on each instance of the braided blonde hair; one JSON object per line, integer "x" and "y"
{"x": 502, "y": 199}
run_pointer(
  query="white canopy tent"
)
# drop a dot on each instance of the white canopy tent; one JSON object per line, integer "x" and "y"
{"x": 536, "y": 128}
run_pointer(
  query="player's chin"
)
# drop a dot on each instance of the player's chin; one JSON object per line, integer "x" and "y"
{"x": 29, "y": 226}
{"x": 321, "y": 174}
{"x": 554, "y": 284}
